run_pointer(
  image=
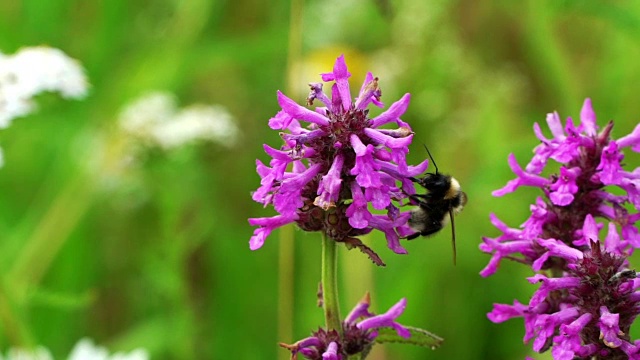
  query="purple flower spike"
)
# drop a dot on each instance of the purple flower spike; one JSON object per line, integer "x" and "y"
{"x": 369, "y": 93}
{"x": 389, "y": 228}
{"x": 396, "y": 110}
{"x": 563, "y": 310}
{"x": 336, "y": 164}
{"x": 588, "y": 297}
{"x": 288, "y": 198}
{"x": 549, "y": 285}
{"x": 341, "y": 76}
{"x": 523, "y": 179}
{"x": 609, "y": 329}
{"x": 565, "y": 187}
{"x": 357, "y": 212}
{"x": 316, "y": 93}
{"x": 504, "y": 312}
{"x": 546, "y": 324}
{"x": 569, "y": 341}
{"x": 609, "y": 166}
{"x": 359, "y": 331}
{"x": 266, "y": 226}
{"x": 588, "y": 119}
{"x": 388, "y": 320}
{"x": 300, "y": 113}
{"x": 632, "y": 140}
{"x": 556, "y": 248}
{"x": 329, "y": 188}
{"x": 332, "y": 352}
{"x": 540, "y": 216}
{"x": 365, "y": 170}
{"x": 361, "y": 310}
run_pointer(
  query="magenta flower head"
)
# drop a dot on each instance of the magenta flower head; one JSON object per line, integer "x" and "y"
{"x": 588, "y": 297}
{"x": 359, "y": 331}
{"x": 329, "y": 171}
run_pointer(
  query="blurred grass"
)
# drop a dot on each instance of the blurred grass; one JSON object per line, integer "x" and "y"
{"x": 166, "y": 266}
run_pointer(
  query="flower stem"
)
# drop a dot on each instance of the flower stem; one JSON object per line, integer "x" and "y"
{"x": 50, "y": 235}
{"x": 330, "y": 284}
{"x": 15, "y": 328}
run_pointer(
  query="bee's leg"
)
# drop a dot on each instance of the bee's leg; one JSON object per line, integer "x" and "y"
{"x": 427, "y": 228}
{"x": 418, "y": 198}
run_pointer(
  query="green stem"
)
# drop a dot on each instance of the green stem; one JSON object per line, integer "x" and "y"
{"x": 330, "y": 284}
{"x": 50, "y": 235}
{"x": 15, "y": 330}
{"x": 545, "y": 51}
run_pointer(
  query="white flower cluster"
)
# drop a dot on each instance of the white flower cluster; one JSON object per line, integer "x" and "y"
{"x": 83, "y": 350}
{"x": 154, "y": 118}
{"x": 34, "y": 70}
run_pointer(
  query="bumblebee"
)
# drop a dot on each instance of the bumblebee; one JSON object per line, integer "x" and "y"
{"x": 444, "y": 196}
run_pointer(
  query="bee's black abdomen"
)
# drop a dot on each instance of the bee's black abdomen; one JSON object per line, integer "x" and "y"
{"x": 427, "y": 219}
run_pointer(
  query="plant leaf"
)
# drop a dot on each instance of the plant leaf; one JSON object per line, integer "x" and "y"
{"x": 356, "y": 243}
{"x": 419, "y": 337}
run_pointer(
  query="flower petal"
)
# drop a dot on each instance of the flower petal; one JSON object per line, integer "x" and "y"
{"x": 299, "y": 112}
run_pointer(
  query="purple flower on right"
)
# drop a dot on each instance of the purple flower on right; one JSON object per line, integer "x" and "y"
{"x": 588, "y": 297}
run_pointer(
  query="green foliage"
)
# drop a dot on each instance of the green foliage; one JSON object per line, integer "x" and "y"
{"x": 419, "y": 337}
{"x": 161, "y": 259}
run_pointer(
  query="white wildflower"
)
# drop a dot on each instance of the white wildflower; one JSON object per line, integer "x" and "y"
{"x": 86, "y": 350}
{"x": 212, "y": 123}
{"x": 39, "y": 353}
{"x": 32, "y": 71}
{"x": 141, "y": 116}
{"x": 83, "y": 350}
{"x": 155, "y": 119}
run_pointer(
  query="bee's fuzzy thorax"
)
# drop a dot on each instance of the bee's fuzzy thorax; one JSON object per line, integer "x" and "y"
{"x": 454, "y": 189}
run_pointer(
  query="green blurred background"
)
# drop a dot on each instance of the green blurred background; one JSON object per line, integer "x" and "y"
{"x": 161, "y": 260}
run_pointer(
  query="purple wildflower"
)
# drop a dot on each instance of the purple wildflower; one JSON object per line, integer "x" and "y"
{"x": 359, "y": 330}
{"x": 588, "y": 298}
{"x": 326, "y": 174}
{"x": 586, "y": 312}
